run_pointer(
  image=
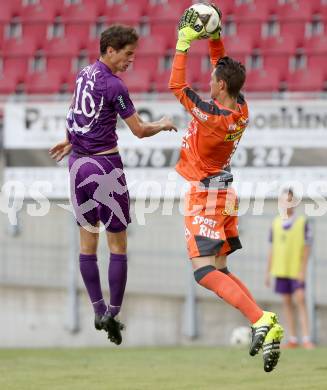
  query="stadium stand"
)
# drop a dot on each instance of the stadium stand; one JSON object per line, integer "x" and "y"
{"x": 283, "y": 38}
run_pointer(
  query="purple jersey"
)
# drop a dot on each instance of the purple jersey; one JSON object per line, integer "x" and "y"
{"x": 91, "y": 120}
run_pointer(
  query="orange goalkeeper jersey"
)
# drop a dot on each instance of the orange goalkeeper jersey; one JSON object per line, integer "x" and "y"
{"x": 214, "y": 131}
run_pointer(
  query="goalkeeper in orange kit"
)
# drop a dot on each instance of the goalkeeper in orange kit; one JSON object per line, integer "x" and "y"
{"x": 211, "y": 203}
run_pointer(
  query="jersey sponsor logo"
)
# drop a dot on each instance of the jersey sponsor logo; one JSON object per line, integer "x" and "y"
{"x": 121, "y": 102}
{"x": 206, "y": 232}
{"x": 192, "y": 129}
{"x": 238, "y": 127}
{"x": 232, "y": 127}
{"x": 231, "y": 208}
{"x": 206, "y": 227}
{"x": 199, "y": 114}
{"x": 233, "y": 136}
{"x": 199, "y": 220}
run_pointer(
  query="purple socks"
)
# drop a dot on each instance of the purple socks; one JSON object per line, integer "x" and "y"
{"x": 90, "y": 274}
{"x": 117, "y": 276}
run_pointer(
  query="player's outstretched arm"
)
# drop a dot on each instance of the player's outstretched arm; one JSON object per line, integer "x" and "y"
{"x": 187, "y": 33}
{"x": 143, "y": 129}
{"x": 216, "y": 45}
{"x": 60, "y": 150}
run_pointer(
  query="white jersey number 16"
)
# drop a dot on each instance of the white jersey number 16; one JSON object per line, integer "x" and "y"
{"x": 85, "y": 95}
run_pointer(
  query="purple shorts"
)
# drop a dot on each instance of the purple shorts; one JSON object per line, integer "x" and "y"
{"x": 287, "y": 286}
{"x": 99, "y": 191}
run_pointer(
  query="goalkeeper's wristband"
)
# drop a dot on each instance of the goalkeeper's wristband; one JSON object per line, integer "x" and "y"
{"x": 182, "y": 45}
{"x": 215, "y": 36}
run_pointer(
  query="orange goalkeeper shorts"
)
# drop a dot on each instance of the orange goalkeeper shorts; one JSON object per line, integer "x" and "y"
{"x": 211, "y": 222}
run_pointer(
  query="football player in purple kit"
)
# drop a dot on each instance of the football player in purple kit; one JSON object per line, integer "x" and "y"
{"x": 98, "y": 185}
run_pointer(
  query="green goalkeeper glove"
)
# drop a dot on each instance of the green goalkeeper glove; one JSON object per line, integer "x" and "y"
{"x": 187, "y": 31}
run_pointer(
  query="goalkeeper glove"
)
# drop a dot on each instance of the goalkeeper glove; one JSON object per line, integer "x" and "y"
{"x": 187, "y": 31}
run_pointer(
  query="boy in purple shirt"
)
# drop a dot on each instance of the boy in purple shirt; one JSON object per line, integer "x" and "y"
{"x": 98, "y": 185}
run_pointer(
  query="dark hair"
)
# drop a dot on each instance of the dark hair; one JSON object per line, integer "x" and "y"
{"x": 288, "y": 191}
{"x": 117, "y": 36}
{"x": 233, "y": 73}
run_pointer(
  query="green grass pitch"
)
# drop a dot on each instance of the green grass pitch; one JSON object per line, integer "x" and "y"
{"x": 189, "y": 368}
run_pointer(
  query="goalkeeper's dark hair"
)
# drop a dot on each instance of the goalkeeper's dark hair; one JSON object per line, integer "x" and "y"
{"x": 288, "y": 191}
{"x": 233, "y": 73}
{"x": 117, "y": 36}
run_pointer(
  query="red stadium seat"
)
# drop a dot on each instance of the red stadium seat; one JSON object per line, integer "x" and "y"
{"x": 68, "y": 46}
{"x": 163, "y": 19}
{"x": 36, "y": 31}
{"x": 277, "y": 52}
{"x": 256, "y": 11}
{"x": 9, "y": 81}
{"x": 58, "y": 5}
{"x": 20, "y": 64}
{"x": 137, "y": 80}
{"x": 195, "y": 65}
{"x": 81, "y": 31}
{"x": 60, "y": 54}
{"x": 304, "y": 80}
{"x": 199, "y": 47}
{"x": 316, "y": 45}
{"x": 9, "y": 9}
{"x": 248, "y": 30}
{"x": 166, "y": 12}
{"x": 93, "y": 49}
{"x": 235, "y": 45}
{"x": 317, "y": 61}
{"x": 166, "y": 29}
{"x": 80, "y": 13}
{"x": 161, "y": 81}
{"x": 316, "y": 5}
{"x": 261, "y": 80}
{"x": 151, "y": 63}
{"x": 143, "y": 4}
{"x": 101, "y": 5}
{"x": 60, "y": 63}
{"x": 36, "y": 18}
{"x": 295, "y": 11}
{"x": 79, "y": 19}
{"x": 204, "y": 80}
{"x": 44, "y": 12}
{"x": 2, "y": 33}
{"x": 240, "y": 57}
{"x": 19, "y": 47}
{"x": 323, "y": 12}
{"x": 69, "y": 82}
{"x": 152, "y": 45}
{"x": 279, "y": 62}
{"x": 127, "y": 13}
{"x": 6, "y": 13}
{"x": 295, "y": 28}
{"x": 285, "y": 44}
{"x": 43, "y": 83}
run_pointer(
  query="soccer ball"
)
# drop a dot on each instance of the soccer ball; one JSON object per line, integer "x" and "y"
{"x": 208, "y": 18}
{"x": 241, "y": 336}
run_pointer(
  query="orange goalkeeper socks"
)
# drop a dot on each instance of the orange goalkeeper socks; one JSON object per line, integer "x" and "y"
{"x": 241, "y": 285}
{"x": 229, "y": 290}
